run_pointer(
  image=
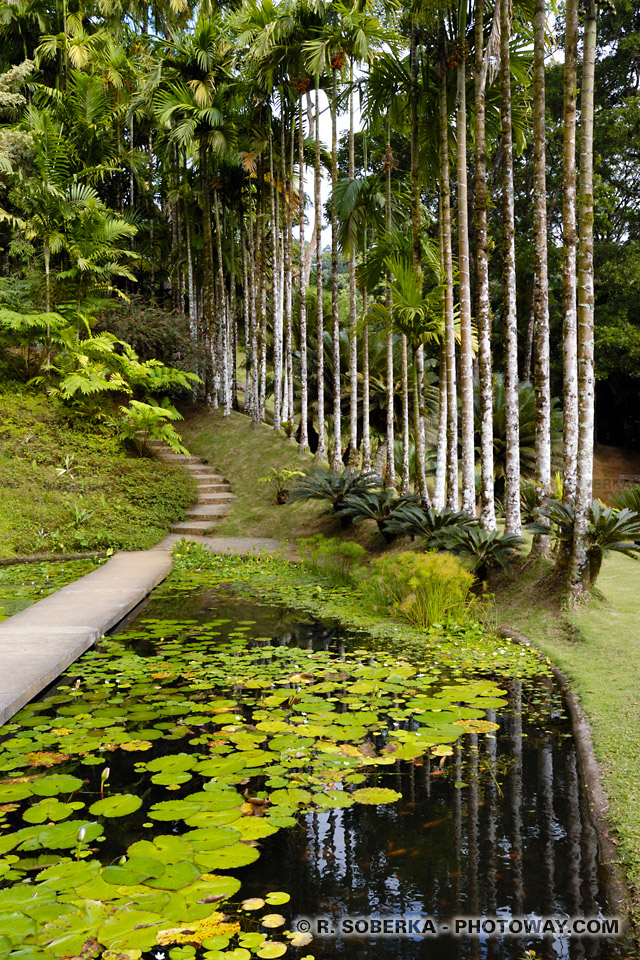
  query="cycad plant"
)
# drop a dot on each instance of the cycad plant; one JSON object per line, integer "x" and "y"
{"x": 379, "y": 505}
{"x": 416, "y": 520}
{"x": 486, "y": 550}
{"x": 610, "y": 530}
{"x": 627, "y": 499}
{"x": 333, "y": 486}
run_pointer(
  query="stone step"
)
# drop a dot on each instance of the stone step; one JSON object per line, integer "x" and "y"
{"x": 207, "y": 511}
{"x": 185, "y": 527}
{"x": 205, "y": 488}
{"x": 224, "y": 496}
{"x": 179, "y": 459}
{"x": 207, "y": 475}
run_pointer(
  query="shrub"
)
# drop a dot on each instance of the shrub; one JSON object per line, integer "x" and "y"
{"x": 486, "y": 550}
{"x": 627, "y": 500}
{"x": 379, "y": 505}
{"x": 418, "y": 521}
{"x": 280, "y": 481}
{"x": 333, "y": 486}
{"x": 424, "y": 588}
{"x": 333, "y": 558}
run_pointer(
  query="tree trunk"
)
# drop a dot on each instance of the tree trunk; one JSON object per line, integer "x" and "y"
{"x": 321, "y": 452}
{"x": 286, "y": 412}
{"x": 233, "y": 316}
{"x": 208, "y": 293}
{"x": 254, "y": 271}
{"x": 512, "y": 414}
{"x": 541, "y": 543}
{"x": 483, "y": 307}
{"x": 304, "y": 384}
{"x": 450, "y": 332}
{"x": 579, "y": 579}
{"x": 440, "y": 486}
{"x": 466, "y": 346}
{"x": 277, "y": 297}
{"x": 247, "y": 328}
{"x": 569, "y": 247}
{"x": 337, "y": 420}
{"x": 404, "y": 369}
{"x": 222, "y": 318}
{"x": 390, "y": 476}
{"x": 353, "y": 317}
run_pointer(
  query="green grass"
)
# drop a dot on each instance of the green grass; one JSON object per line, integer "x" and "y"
{"x": 244, "y": 453}
{"x": 69, "y": 487}
{"x": 599, "y": 650}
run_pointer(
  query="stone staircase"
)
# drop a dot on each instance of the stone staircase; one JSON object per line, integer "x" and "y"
{"x": 214, "y": 493}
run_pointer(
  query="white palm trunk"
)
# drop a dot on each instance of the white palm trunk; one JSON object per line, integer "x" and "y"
{"x": 483, "y": 308}
{"x": 321, "y": 452}
{"x": 440, "y": 484}
{"x": 569, "y": 249}
{"x": 222, "y": 317}
{"x": 277, "y": 293}
{"x": 541, "y": 543}
{"x": 513, "y": 523}
{"x": 247, "y": 327}
{"x": 579, "y": 579}
{"x": 449, "y": 322}
{"x": 353, "y": 318}
{"x": 304, "y": 381}
{"x": 390, "y": 475}
{"x": 466, "y": 346}
{"x": 335, "y": 314}
{"x": 404, "y": 373}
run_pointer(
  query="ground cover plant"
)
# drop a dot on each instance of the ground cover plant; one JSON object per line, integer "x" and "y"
{"x": 69, "y": 486}
{"x": 154, "y": 771}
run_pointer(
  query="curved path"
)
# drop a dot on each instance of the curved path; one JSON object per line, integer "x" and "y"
{"x": 38, "y": 643}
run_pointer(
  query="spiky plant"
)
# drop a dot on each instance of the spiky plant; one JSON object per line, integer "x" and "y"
{"x": 333, "y": 486}
{"x": 380, "y": 505}
{"x": 418, "y": 521}
{"x": 611, "y": 530}
{"x": 487, "y": 550}
{"x": 627, "y": 499}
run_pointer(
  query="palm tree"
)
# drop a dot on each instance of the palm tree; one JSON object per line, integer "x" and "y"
{"x": 513, "y": 522}
{"x": 579, "y": 580}
{"x": 483, "y": 307}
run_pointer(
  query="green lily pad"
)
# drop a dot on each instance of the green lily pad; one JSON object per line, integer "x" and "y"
{"x": 50, "y": 809}
{"x": 118, "y": 805}
{"x": 56, "y": 783}
{"x": 375, "y": 795}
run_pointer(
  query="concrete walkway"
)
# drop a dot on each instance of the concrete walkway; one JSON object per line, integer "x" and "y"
{"x": 39, "y": 643}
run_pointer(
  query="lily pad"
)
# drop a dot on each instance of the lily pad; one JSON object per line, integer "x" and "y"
{"x": 375, "y": 795}
{"x": 118, "y": 805}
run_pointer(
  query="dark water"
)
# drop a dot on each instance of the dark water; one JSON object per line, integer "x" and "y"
{"x": 500, "y": 829}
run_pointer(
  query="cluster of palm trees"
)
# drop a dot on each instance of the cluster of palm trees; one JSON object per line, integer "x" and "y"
{"x": 194, "y": 135}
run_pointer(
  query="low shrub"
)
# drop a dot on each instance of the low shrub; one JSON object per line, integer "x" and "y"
{"x": 334, "y": 558}
{"x": 333, "y": 486}
{"x": 425, "y": 589}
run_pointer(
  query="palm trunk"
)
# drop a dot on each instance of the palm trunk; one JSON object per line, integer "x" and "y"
{"x": 247, "y": 328}
{"x": 440, "y": 485}
{"x": 466, "y": 346}
{"x": 289, "y": 313}
{"x": 353, "y": 318}
{"x": 541, "y": 543}
{"x": 304, "y": 396}
{"x": 569, "y": 247}
{"x": 233, "y": 316}
{"x": 450, "y": 332}
{"x": 263, "y": 307}
{"x": 404, "y": 369}
{"x": 483, "y": 308}
{"x": 193, "y": 306}
{"x": 286, "y": 412}
{"x": 254, "y": 272}
{"x": 321, "y": 452}
{"x": 208, "y": 292}
{"x": 337, "y": 463}
{"x": 580, "y": 579}
{"x": 277, "y": 297}
{"x": 152, "y": 259}
{"x": 390, "y": 477}
{"x": 222, "y": 317}
{"x": 512, "y": 414}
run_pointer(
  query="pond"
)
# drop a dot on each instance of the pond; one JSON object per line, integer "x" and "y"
{"x": 223, "y": 769}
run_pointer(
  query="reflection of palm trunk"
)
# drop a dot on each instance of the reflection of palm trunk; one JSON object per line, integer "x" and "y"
{"x": 474, "y": 850}
{"x": 492, "y": 824}
{"x": 545, "y": 780}
{"x": 515, "y": 739}
{"x": 574, "y": 830}
{"x": 457, "y": 829}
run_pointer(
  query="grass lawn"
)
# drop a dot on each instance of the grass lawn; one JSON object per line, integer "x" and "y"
{"x": 69, "y": 487}
{"x": 244, "y": 453}
{"x": 599, "y": 650}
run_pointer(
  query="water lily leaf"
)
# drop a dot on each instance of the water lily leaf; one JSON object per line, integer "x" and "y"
{"x": 165, "y": 848}
{"x": 130, "y": 929}
{"x": 477, "y": 726}
{"x": 333, "y": 798}
{"x": 175, "y": 763}
{"x": 61, "y": 836}
{"x": 253, "y": 903}
{"x": 255, "y": 828}
{"x": 134, "y": 871}
{"x": 227, "y": 858}
{"x": 216, "y": 924}
{"x": 16, "y": 927}
{"x": 375, "y": 795}
{"x": 52, "y": 785}
{"x": 176, "y": 876}
{"x": 122, "y": 955}
{"x": 67, "y": 875}
{"x": 11, "y": 792}
{"x": 277, "y": 897}
{"x": 291, "y": 797}
{"x": 300, "y": 939}
{"x": 212, "y": 838}
{"x": 118, "y": 805}
{"x": 50, "y": 809}
{"x": 269, "y": 950}
{"x": 132, "y": 746}
{"x": 170, "y": 779}
{"x": 273, "y": 920}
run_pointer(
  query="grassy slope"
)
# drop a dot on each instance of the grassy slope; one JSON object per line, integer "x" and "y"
{"x": 105, "y": 499}
{"x": 244, "y": 453}
{"x": 599, "y": 650}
